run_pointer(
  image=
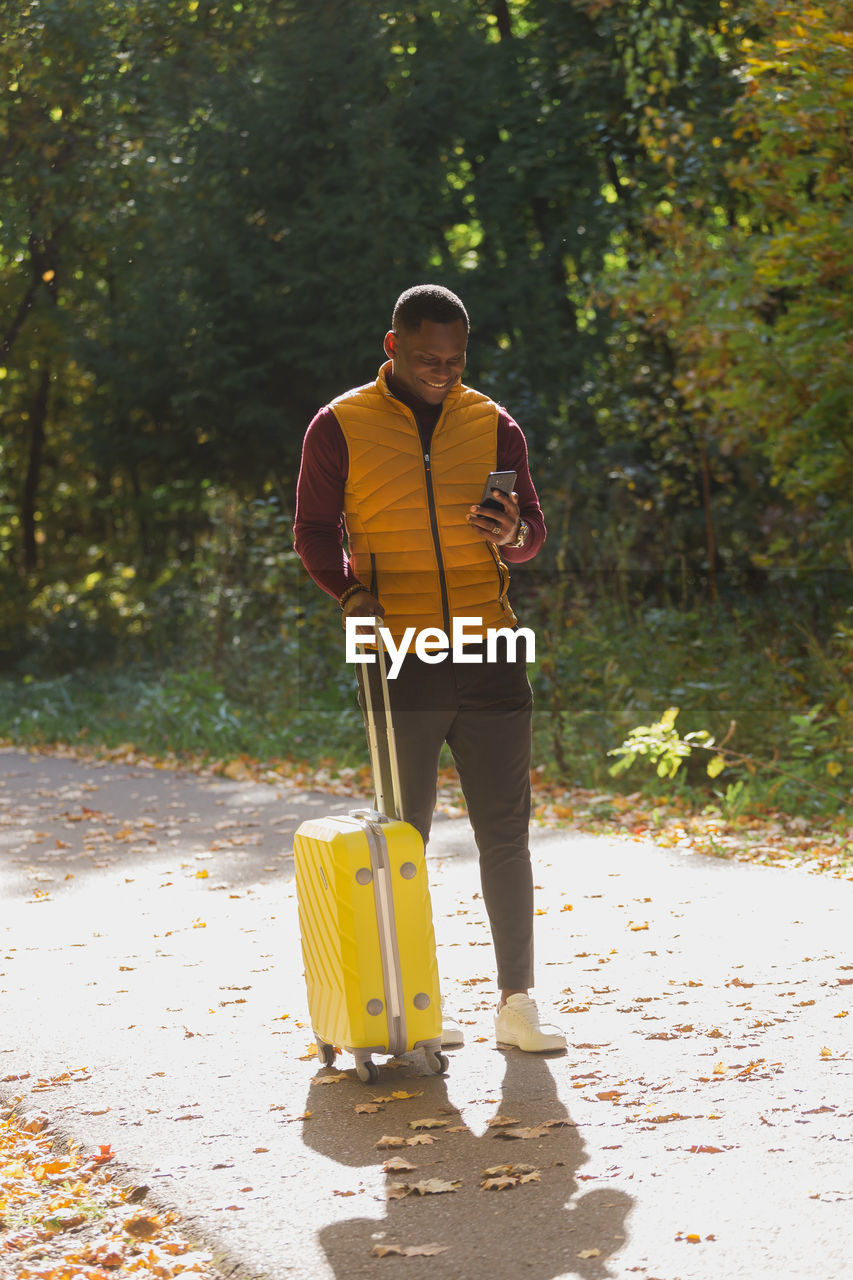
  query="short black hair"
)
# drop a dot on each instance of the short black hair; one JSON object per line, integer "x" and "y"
{"x": 427, "y": 302}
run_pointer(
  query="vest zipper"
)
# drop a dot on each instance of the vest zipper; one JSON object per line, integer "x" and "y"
{"x": 433, "y": 519}
{"x": 503, "y": 583}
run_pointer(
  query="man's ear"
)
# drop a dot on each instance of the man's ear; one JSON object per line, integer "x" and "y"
{"x": 390, "y": 344}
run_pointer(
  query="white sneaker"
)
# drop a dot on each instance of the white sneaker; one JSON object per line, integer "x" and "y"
{"x": 517, "y": 1024}
{"x": 452, "y": 1035}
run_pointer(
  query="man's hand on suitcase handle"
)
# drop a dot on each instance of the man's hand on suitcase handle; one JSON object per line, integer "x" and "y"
{"x": 361, "y": 605}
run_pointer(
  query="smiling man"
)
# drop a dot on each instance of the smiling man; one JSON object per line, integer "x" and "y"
{"x": 429, "y": 360}
{"x": 399, "y": 466}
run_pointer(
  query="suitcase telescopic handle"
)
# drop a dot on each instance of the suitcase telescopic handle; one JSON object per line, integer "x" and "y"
{"x": 389, "y": 804}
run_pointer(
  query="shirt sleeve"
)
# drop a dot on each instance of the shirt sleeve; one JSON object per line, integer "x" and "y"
{"x": 512, "y": 456}
{"x": 318, "y": 524}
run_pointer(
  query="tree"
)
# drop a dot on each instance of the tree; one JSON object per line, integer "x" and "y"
{"x": 208, "y": 211}
{"x": 754, "y": 292}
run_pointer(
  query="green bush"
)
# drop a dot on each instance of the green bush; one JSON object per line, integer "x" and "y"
{"x": 754, "y": 679}
{"x": 236, "y": 652}
{"x": 755, "y": 675}
{"x": 176, "y": 712}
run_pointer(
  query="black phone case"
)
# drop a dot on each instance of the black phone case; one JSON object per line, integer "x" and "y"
{"x": 487, "y": 500}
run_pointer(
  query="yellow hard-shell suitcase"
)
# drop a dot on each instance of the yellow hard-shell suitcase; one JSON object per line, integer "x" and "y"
{"x": 365, "y": 919}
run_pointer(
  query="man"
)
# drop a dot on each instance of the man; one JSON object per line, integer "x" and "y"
{"x": 401, "y": 463}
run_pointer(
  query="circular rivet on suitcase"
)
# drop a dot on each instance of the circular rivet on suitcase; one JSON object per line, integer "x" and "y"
{"x": 422, "y": 1000}
{"x": 374, "y": 1007}
{"x": 408, "y": 871}
{"x": 364, "y": 875}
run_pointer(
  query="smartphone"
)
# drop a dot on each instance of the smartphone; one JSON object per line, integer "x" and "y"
{"x": 503, "y": 480}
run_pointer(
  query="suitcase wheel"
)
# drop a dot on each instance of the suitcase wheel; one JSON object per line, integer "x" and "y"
{"x": 367, "y": 1071}
{"x": 326, "y": 1053}
{"x": 437, "y": 1062}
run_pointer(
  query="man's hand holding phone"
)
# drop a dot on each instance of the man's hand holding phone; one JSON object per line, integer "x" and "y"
{"x": 497, "y": 517}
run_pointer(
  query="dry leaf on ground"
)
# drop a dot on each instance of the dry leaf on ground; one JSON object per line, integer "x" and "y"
{"x": 533, "y": 1131}
{"x": 390, "y": 1141}
{"x": 143, "y": 1227}
{"x": 501, "y": 1177}
{"x": 76, "y": 1211}
{"x": 398, "y": 1165}
{"x": 429, "y": 1187}
{"x": 408, "y": 1250}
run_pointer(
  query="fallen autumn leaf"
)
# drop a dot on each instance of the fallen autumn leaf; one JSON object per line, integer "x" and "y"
{"x": 429, "y": 1187}
{"x": 143, "y": 1227}
{"x": 397, "y": 1164}
{"x": 408, "y": 1250}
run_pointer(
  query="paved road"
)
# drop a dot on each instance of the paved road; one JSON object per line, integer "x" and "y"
{"x": 150, "y": 956}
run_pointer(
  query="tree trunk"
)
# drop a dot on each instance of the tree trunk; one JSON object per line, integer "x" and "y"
{"x": 501, "y": 12}
{"x": 21, "y": 314}
{"x": 710, "y": 537}
{"x": 144, "y": 555}
{"x": 29, "y": 499}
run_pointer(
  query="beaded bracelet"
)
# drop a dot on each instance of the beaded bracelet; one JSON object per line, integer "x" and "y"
{"x": 349, "y": 593}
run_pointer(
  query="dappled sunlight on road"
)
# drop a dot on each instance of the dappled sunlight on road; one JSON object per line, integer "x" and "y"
{"x": 153, "y": 1002}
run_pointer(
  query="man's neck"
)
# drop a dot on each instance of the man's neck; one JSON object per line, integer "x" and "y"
{"x": 423, "y": 411}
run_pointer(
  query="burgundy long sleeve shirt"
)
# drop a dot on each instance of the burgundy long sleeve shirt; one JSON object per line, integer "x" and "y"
{"x": 318, "y": 525}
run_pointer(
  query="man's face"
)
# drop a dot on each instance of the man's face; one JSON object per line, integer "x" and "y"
{"x": 428, "y": 361}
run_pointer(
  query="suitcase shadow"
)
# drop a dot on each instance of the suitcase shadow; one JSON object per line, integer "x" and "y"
{"x": 538, "y": 1229}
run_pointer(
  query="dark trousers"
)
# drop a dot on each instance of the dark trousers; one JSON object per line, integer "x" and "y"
{"x": 483, "y": 712}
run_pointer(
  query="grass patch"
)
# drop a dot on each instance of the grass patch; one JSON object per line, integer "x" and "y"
{"x": 776, "y": 691}
{"x": 175, "y": 713}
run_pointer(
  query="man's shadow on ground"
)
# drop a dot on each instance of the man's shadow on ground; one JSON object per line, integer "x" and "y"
{"x": 538, "y": 1229}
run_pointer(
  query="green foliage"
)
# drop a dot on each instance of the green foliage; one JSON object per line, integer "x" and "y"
{"x": 663, "y": 746}
{"x": 739, "y": 675}
{"x": 812, "y": 747}
{"x": 177, "y": 713}
{"x": 207, "y": 211}
{"x": 752, "y": 288}
{"x": 249, "y": 683}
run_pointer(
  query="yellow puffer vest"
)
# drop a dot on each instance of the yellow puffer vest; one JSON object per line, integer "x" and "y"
{"x": 405, "y": 514}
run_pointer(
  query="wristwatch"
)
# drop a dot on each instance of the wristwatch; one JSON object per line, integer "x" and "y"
{"x": 521, "y": 536}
